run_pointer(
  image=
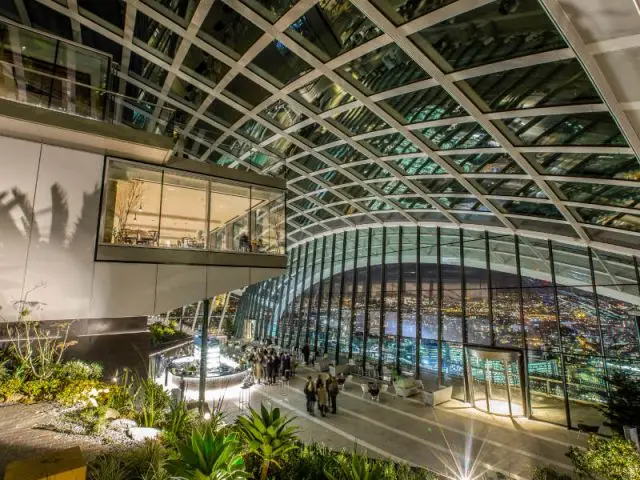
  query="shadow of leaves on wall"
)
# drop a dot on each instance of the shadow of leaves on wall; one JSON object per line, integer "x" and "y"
{"x": 44, "y": 242}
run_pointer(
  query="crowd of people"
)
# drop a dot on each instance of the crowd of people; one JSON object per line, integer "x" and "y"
{"x": 268, "y": 365}
{"x": 324, "y": 392}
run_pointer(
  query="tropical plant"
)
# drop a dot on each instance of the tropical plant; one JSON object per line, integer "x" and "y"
{"x": 623, "y": 407}
{"x": 359, "y": 468}
{"x": 107, "y": 467}
{"x": 179, "y": 422}
{"x": 122, "y": 393}
{"x": 209, "y": 455}
{"x": 78, "y": 391}
{"x": 36, "y": 347}
{"x": 269, "y": 436}
{"x": 147, "y": 462}
{"x": 614, "y": 459}
{"x": 152, "y": 402}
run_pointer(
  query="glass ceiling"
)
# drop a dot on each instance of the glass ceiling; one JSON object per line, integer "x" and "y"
{"x": 468, "y": 117}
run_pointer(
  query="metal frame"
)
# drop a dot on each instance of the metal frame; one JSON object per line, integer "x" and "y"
{"x": 189, "y": 35}
{"x": 550, "y": 254}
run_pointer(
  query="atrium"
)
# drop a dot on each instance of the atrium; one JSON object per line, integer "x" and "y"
{"x": 434, "y": 202}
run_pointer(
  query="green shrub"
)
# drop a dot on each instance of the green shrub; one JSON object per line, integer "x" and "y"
{"x": 10, "y": 387}
{"x": 38, "y": 389}
{"x": 549, "y": 473}
{"x": 78, "y": 391}
{"x": 615, "y": 459}
{"x": 75, "y": 370}
{"x": 359, "y": 468}
{"x": 93, "y": 419}
{"x": 122, "y": 393}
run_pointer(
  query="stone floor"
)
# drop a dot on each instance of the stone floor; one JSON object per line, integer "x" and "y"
{"x": 452, "y": 439}
{"x": 19, "y": 439}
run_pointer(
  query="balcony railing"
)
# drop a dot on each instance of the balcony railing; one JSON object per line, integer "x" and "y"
{"x": 55, "y": 74}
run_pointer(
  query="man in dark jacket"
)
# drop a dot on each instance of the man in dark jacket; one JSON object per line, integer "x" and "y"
{"x": 332, "y": 387}
{"x": 306, "y": 351}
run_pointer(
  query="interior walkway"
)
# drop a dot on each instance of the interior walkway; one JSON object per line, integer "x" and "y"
{"x": 452, "y": 439}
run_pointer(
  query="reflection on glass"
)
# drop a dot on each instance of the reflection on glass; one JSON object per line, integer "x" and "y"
{"x": 280, "y": 63}
{"x": 282, "y": 115}
{"x": 402, "y": 11}
{"x": 131, "y": 213}
{"x": 484, "y": 35}
{"x": 459, "y": 135}
{"x": 204, "y": 66}
{"x": 147, "y": 207}
{"x": 587, "y": 164}
{"x": 322, "y": 94}
{"x": 331, "y": 28}
{"x": 184, "y": 207}
{"x": 549, "y": 84}
{"x": 228, "y": 222}
{"x": 423, "y": 105}
{"x": 578, "y": 129}
{"x": 485, "y": 163}
{"x": 383, "y": 69}
{"x": 229, "y": 31}
{"x": 392, "y": 144}
{"x": 267, "y": 215}
{"x": 359, "y": 120}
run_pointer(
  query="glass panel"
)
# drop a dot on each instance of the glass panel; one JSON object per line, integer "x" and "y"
{"x": 204, "y": 66}
{"x": 131, "y": 214}
{"x": 423, "y": 105}
{"x": 322, "y": 94}
{"x": 545, "y": 85}
{"x": 578, "y": 129}
{"x": 267, "y": 213}
{"x": 610, "y": 219}
{"x": 330, "y": 29}
{"x": 418, "y": 166}
{"x": 246, "y": 92}
{"x": 280, "y": 63}
{"x": 155, "y": 35}
{"x": 485, "y": 163}
{"x": 228, "y": 31}
{"x": 282, "y": 115}
{"x": 392, "y": 144}
{"x": 402, "y": 11}
{"x": 359, "y": 120}
{"x": 382, "y": 69}
{"x": 600, "y": 194}
{"x": 587, "y": 165}
{"x": 315, "y": 135}
{"x": 529, "y": 208}
{"x": 223, "y": 113}
{"x": 484, "y": 35}
{"x": 269, "y": 9}
{"x": 459, "y": 135}
{"x": 184, "y": 207}
{"x": 344, "y": 154}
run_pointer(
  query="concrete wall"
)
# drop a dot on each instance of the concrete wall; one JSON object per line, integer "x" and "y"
{"x": 49, "y": 213}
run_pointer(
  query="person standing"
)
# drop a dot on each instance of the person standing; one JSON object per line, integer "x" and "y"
{"x": 332, "y": 388}
{"x": 323, "y": 398}
{"x": 269, "y": 369}
{"x": 276, "y": 367}
{"x": 306, "y": 351}
{"x": 286, "y": 364}
{"x": 259, "y": 372}
{"x": 310, "y": 394}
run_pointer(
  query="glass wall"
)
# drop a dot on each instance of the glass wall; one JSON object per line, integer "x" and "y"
{"x": 158, "y": 207}
{"x": 418, "y": 300}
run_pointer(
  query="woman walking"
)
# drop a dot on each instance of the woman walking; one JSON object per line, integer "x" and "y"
{"x": 323, "y": 397}
{"x": 310, "y": 394}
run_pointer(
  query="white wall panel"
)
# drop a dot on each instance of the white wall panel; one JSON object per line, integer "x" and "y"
{"x": 223, "y": 279}
{"x": 123, "y": 289}
{"x": 18, "y": 173}
{"x": 61, "y": 252}
{"x": 179, "y": 285}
